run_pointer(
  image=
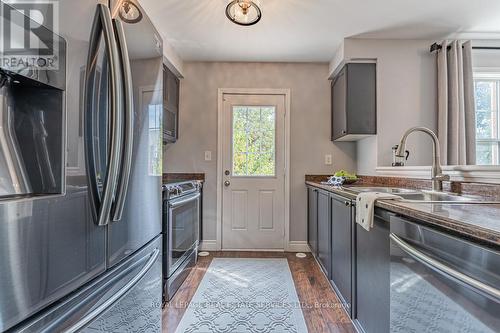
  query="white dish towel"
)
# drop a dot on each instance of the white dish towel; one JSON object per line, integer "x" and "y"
{"x": 365, "y": 206}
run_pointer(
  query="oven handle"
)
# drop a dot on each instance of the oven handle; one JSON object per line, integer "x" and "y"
{"x": 445, "y": 270}
{"x": 174, "y": 204}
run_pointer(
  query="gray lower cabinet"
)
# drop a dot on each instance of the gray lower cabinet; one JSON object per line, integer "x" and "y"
{"x": 312, "y": 220}
{"x": 342, "y": 234}
{"x": 373, "y": 276}
{"x": 324, "y": 232}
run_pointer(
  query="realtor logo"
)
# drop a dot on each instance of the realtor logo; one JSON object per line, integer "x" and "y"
{"x": 28, "y": 32}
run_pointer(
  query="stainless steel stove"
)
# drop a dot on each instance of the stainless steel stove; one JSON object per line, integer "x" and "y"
{"x": 178, "y": 188}
{"x": 181, "y": 225}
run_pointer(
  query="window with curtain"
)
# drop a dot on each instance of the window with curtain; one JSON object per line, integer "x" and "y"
{"x": 487, "y": 100}
{"x": 155, "y": 139}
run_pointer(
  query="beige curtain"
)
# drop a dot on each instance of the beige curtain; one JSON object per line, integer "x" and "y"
{"x": 456, "y": 113}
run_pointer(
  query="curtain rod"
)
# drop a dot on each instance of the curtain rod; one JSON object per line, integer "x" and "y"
{"x": 436, "y": 46}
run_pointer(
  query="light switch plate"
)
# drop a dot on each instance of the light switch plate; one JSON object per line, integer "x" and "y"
{"x": 328, "y": 159}
{"x": 208, "y": 155}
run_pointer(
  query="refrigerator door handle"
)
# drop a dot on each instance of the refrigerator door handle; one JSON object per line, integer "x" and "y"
{"x": 88, "y": 318}
{"x": 101, "y": 206}
{"x": 128, "y": 135}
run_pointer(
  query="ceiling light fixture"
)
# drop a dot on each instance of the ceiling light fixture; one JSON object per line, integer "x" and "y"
{"x": 244, "y": 12}
{"x": 129, "y": 12}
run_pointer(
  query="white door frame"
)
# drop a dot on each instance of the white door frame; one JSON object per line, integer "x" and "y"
{"x": 220, "y": 131}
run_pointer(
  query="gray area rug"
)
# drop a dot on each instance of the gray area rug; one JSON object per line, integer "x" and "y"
{"x": 245, "y": 295}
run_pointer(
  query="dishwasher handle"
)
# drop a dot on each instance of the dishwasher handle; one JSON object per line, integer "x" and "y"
{"x": 445, "y": 270}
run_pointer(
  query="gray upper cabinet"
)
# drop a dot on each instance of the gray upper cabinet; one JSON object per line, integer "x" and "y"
{"x": 354, "y": 102}
{"x": 171, "y": 89}
{"x": 324, "y": 232}
{"x": 342, "y": 222}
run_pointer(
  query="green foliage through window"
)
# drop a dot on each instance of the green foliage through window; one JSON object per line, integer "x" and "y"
{"x": 254, "y": 140}
{"x": 487, "y": 88}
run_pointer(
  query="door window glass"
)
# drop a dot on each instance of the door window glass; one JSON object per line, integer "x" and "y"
{"x": 254, "y": 140}
{"x": 155, "y": 139}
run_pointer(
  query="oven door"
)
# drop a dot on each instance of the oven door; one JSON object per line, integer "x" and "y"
{"x": 441, "y": 283}
{"x": 182, "y": 229}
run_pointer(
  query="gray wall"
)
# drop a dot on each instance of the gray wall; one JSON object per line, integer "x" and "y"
{"x": 406, "y": 97}
{"x": 310, "y": 128}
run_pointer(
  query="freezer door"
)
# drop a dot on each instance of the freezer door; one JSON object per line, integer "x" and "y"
{"x": 125, "y": 299}
{"x": 140, "y": 218}
{"x": 49, "y": 245}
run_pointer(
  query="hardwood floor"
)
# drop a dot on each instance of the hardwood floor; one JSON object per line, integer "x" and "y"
{"x": 322, "y": 309}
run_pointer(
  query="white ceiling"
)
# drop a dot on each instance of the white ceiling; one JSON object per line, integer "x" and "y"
{"x": 311, "y": 30}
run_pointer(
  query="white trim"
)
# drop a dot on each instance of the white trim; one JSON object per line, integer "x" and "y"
{"x": 485, "y": 72}
{"x": 298, "y": 246}
{"x": 220, "y": 126}
{"x": 208, "y": 245}
{"x": 467, "y": 173}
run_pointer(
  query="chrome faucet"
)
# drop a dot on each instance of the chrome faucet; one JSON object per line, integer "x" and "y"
{"x": 437, "y": 175}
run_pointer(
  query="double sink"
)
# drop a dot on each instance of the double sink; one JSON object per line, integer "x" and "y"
{"x": 422, "y": 196}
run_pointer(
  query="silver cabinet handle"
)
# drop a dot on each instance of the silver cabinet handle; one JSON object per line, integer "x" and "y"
{"x": 101, "y": 206}
{"x": 128, "y": 134}
{"x": 183, "y": 201}
{"x": 443, "y": 269}
{"x": 110, "y": 301}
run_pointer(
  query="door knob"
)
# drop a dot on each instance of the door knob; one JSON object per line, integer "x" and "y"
{"x": 227, "y": 183}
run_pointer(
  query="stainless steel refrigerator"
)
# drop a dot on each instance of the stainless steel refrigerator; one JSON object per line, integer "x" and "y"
{"x": 80, "y": 175}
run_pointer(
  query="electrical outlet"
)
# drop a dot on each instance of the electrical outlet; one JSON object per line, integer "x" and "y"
{"x": 328, "y": 159}
{"x": 208, "y": 155}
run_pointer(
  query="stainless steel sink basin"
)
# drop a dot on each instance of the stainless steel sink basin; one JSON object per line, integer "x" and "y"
{"x": 392, "y": 190}
{"x": 423, "y": 196}
{"x": 429, "y": 196}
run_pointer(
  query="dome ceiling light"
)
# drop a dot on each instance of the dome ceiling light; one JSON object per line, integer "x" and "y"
{"x": 244, "y": 12}
{"x": 129, "y": 12}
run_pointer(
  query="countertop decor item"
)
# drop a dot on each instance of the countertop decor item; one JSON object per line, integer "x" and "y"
{"x": 342, "y": 177}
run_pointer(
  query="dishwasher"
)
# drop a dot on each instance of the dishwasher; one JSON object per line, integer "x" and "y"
{"x": 440, "y": 282}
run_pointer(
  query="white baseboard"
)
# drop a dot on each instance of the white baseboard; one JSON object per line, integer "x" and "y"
{"x": 293, "y": 246}
{"x": 298, "y": 246}
{"x": 208, "y": 245}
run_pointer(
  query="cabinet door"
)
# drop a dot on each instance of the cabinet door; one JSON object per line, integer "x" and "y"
{"x": 171, "y": 89}
{"x": 324, "y": 240}
{"x": 361, "y": 100}
{"x": 342, "y": 249}
{"x": 339, "y": 93}
{"x": 373, "y": 276}
{"x": 312, "y": 219}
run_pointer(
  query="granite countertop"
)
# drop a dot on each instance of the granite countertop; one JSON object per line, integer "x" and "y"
{"x": 479, "y": 222}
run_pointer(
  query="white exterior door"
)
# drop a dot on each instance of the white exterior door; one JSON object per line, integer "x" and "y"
{"x": 253, "y": 189}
